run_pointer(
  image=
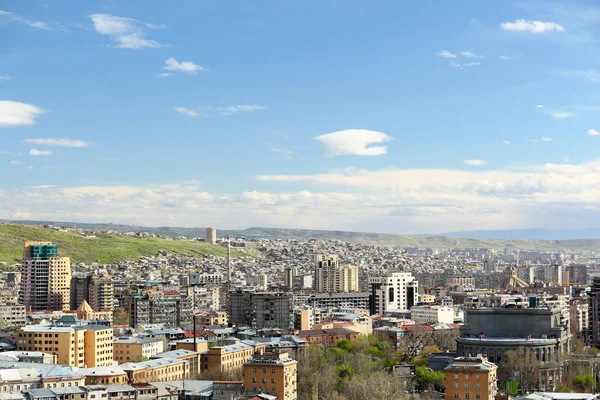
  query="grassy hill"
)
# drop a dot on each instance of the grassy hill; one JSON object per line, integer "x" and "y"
{"x": 104, "y": 248}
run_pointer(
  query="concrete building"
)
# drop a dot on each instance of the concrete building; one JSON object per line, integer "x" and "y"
{"x": 288, "y": 277}
{"x": 211, "y": 235}
{"x": 168, "y": 307}
{"x": 594, "y": 313}
{"x": 213, "y": 318}
{"x": 79, "y": 345}
{"x": 259, "y": 281}
{"x": 261, "y": 310}
{"x": 460, "y": 282}
{"x": 193, "y": 359}
{"x": 95, "y": 289}
{"x": 135, "y": 348}
{"x": 13, "y": 314}
{"x": 329, "y": 277}
{"x": 339, "y": 300}
{"x": 160, "y": 370}
{"x": 230, "y": 357}
{"x": 470, "y": 378}
{"x": 397, "y": 290}
{"x": 493, "y": 331}
{"x": 432, "y": 314}
{"x": 46, "y": 278}
{"x": 274, "y": 374}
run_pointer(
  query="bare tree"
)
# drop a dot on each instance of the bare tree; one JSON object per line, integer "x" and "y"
{"x": 522, "y": 365}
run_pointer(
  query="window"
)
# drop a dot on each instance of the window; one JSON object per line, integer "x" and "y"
{"x": 478, "y": 386}
{"x": 272, "y": 380}
{"x": 466, "y": 377}
{"x": 466, "y": 386}
{"x": 253, "y": 380}
{"x": 273, "y": 371}
{"x": 478, "y": 396}
{"x": 456, "y": 395}
{"x": 467, "y": 395}
{"x": 455, "y": 377}
{"x": 456, "y": 386}
{"x": 477, "y": 377}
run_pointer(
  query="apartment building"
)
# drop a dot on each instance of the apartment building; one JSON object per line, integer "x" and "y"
{"x": 45, "y": 278}
{"x": 470, "y": 378}
{"x": 432, "y": 314}
{"x": 460, "y": 282}
{"x": 396, "y": 290}
{"x": 78, "y": 345}
{"x": 274, "y": 374}
{"x": 104, "y": 375}
{"x": 13, "y": 314}
{"x": 329, "y": 277}
{"x": 261, "y": 310}
{"x": 96, "y": 290}
{"x": 230, "y": 357}
{"x": 339, "y": 300}
{"x": 160, "y": 370}
{"x": 259, "y": 281}
{"x": 213, "y": 318}
{"x": 128, "y": 348}
{"x": 169, "y": 308}
{"x": 193, "y": 359}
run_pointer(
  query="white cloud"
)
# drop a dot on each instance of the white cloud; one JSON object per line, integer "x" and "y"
{"x": 171, "y": 64}
{"x": 61, "y": 142}
{"x": 592, "y": 75}
{"x": 546, "y": 139}
{"x": 562, "y": 114}
{"x": 127, "y": 32}
{"x": 504, "y": 57}
{"x": 12, "y": 17}
{"x": 506, "y": 142}
{"x": 446, "y": 54}
{"x": 353, "y": 142}
{"x": 475, "y": 163}
{"x": 522, "y": 25}
{"x": 164, "y": 74}
{"x": 386, "y": 200}
{"x": 286, "y": 153}
{"x": 470, "y": 54}
{"x": 15, "y": 162}
{"x": 15, "y": 113}
{"x": 5, "y": 78}
{"x": 540, "y": 106}
{"x": 461, "y": 66}
{"x": 593, "y": 132}
{"x": 36, "y": 152}
{"x": 187, "y": 111}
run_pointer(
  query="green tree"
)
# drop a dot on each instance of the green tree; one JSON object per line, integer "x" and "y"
{"x": 428, "y": 379}
{"x": 121, "y": 317}
{"x": 585, "y": 383}
{"x": 139, "y": 358}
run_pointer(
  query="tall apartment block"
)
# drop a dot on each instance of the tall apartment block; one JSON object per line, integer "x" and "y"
{"x": 169, "y": 307}
{"x": 211, "y": 235}
{"x": 288, "y": 277}
{"x": 329, "y": 277}
{"x": 594, "y": 313}
{"x": 261, "y": 310}
{"x": 96, "y": 290}
{"x": 396, "y": 290}
{"x": 45, "y": 278}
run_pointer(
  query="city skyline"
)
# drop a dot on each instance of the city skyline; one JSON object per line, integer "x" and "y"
{"x": 386, "y": 117}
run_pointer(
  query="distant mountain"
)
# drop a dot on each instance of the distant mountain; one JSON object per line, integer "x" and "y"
{"x": 531, "y": 234}
{"x": 514, "y": 239}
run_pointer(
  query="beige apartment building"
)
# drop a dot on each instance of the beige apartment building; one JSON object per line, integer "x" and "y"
{"x": 160, "y": 370}
{"x": 214, "y": 318}
{"x": 128, "y": 348}
{"x": 45, "y": 278}
{"x": 13, "y": 315}
{"x": 78, "y": 346}
{"x": 272, "y": 374}
{"x": 329, "y": 277}
{"x": 230, "y": 357}
{"x": 471, "y": 378}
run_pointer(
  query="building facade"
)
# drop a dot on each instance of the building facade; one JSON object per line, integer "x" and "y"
{"x": 46, "y": 278}
{"x": 470, "y": 378}
{"x": 261, "y": 310}
{"x": 274, "y": 374}
{"x": 432, "y": 314}
{"x": 211, "y": 235}
{"x": 397, "y": 290}
{"x": 329, "y": 277}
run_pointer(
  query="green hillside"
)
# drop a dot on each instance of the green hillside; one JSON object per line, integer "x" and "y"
{"x": 104, "y": 248}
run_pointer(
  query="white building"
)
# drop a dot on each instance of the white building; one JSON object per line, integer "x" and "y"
{"x": 397, "y": 290}
{"x": 432, "y": 314}
{"x": 259, "y": 281}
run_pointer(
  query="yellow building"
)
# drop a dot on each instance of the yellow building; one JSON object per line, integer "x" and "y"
{"x": 230, "y": 357}
{"x": 104, "y": 375}
{"x": 85, "y": 312}
{"x": 200, "y": 345}
{"x": 191, "y": 357}
{"x": 161, "y": 370}
{"x": 273, "y": 374}
{"x": 46, "y": 278}
{"x": 471, "y": 378}
{"x": 135, "y": 348}
{"x": 214, "y": 318}
{"x": 78, "y": 345}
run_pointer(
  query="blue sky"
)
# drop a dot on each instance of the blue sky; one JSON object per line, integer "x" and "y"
{"x": 378, "y": 116}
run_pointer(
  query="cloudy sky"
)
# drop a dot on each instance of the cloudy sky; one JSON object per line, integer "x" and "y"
{"x": 352, "y": 115}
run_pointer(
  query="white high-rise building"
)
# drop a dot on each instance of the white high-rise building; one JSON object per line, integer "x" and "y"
{"x": 397, "y": 290}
